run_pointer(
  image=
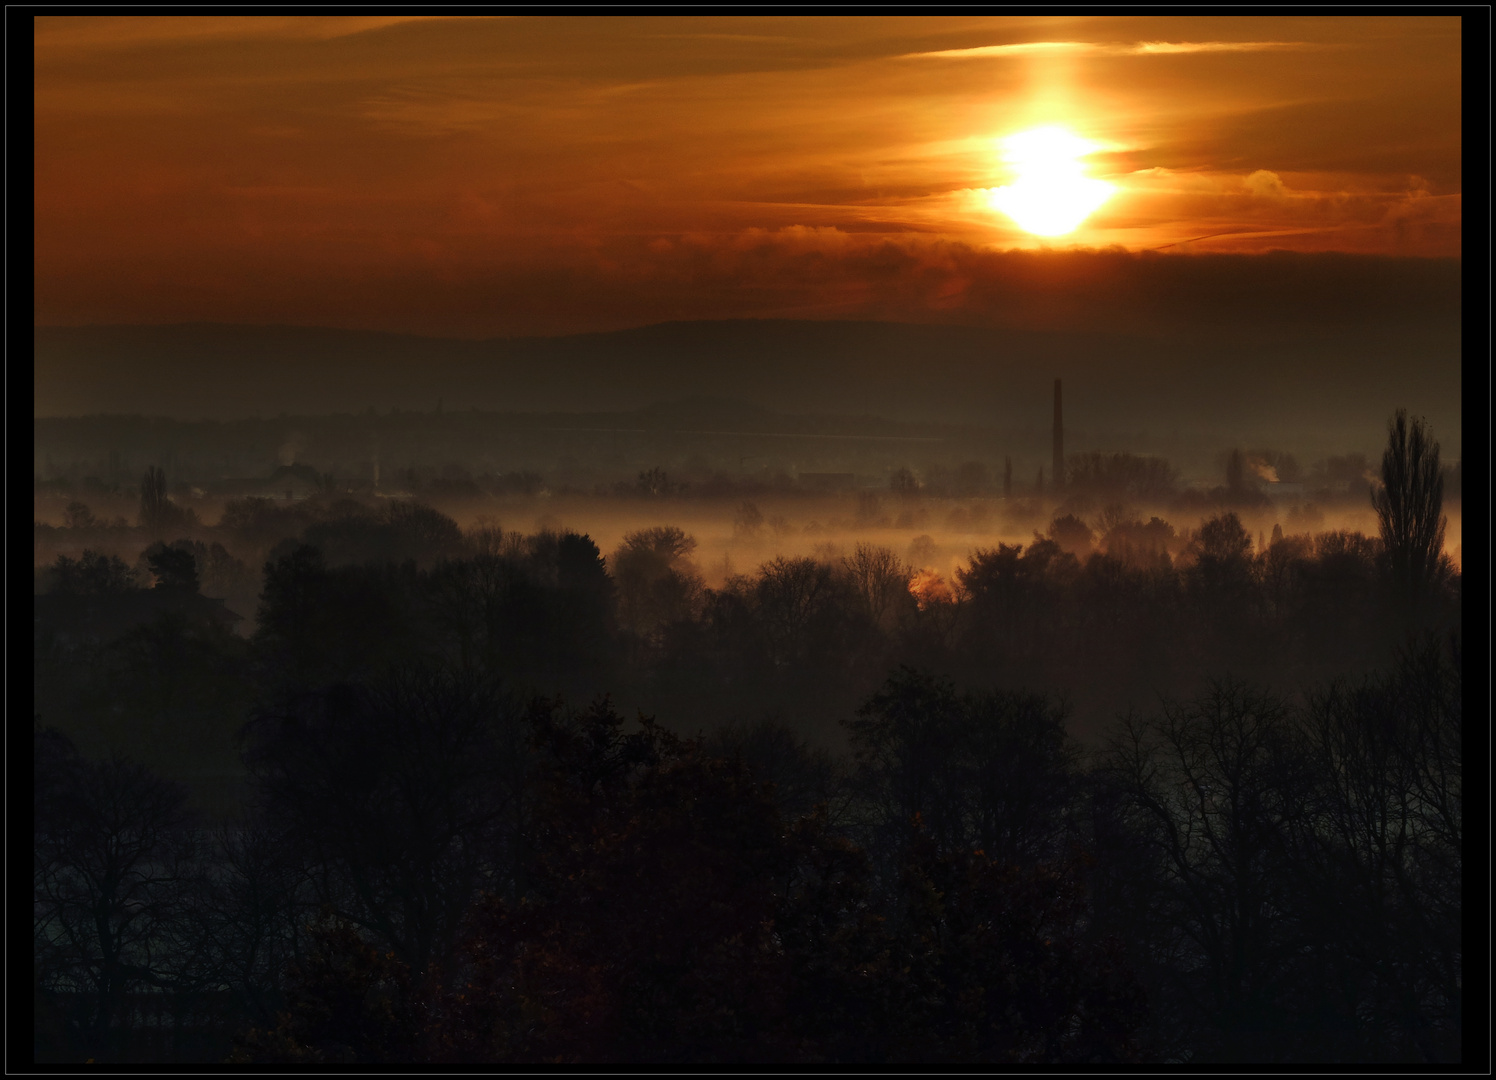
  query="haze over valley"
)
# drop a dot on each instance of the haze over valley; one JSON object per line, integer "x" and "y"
{"x": 749, "y": 540}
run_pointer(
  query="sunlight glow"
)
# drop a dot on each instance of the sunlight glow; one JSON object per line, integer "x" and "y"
{"x": 1052, "y": 195}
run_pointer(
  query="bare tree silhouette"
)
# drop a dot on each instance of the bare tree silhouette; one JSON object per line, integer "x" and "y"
{"x": 1409, "y": 505}
{"x": 115, "y": 863}
{"x": 158, "y": 514}
{"x": 154, "y": 507}
{"x": 1235, "y": 469}
{"x": 881, "y": 578}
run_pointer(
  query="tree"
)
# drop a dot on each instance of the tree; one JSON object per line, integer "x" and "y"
{"x": 656, "y": 482}
{"x": 347, "y": 1003}
{"x": 577, "y": 612}
{"x": 1409, "y": 506}
{"x": 648, "y": 935}
{"x": 397, "y": 532}
{"x": 1222, "y": 539}
{"x": 802, "y": 609}
{"x": 1120, "y": 475}
{"x": 153, "y": 501}
{"x": 1011, "y": 593}
{"x": 980, "y": 770}
{"x": 1128, "y": 540}
{"x": 997, "y": 966}
{"x": 881, "y": 578}
{"x": 1211, "y": 793}
{"x": 747, "y": 521}
{"x": 224, "y": 576}
{"x": 115, "y": 869}
{"x": 1235, "y": 472}
{"x": 657, "y": 583}
{"x": 427, "y": 532}
{"x": 906, "y": 743}
{"x": 802, "y": 775}
{"x": 903, "y": 482}
{"x": 258, "y": 524}
{"x": 1072, "y": 534}
{"x": 673, "y": 915}
{"x": 77, "y": 515}
{"x": 170, "y": 692}
{"x": 1381, "y": 877}
{"x": 174, "y": 567}
{"x": 157, "y": 512}
{"x": 254, "y": 915}
{"x": 1222, "y": 550}
{"x": 404, "y": 797}
{"x": 678, "y": 918}
{"x": 92, "y": 574}
{"x": 319, "y": 625}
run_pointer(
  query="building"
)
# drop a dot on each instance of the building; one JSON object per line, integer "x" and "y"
{"x": 287, "y": 482}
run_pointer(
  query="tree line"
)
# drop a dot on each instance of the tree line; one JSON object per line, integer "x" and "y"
{"x": 455, "y": 847}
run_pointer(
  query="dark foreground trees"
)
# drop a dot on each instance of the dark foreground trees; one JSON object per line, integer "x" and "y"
{"x": 1289, "y": 880}
{"x": 672, "y": 915}
{"x": 441, "y": 869}
{"x": 1207, "y": 792}
{"x": 988, "y": 771}
{"x": 116, "y": 864}
{"x": 1384, "y": 869}
{"x": 396, "y": 801}
{"x": 441, "y": 875}
{"x": 91, "y": 574}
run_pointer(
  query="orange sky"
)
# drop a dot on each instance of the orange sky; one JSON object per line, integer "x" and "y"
{"x": 471, "y": 177}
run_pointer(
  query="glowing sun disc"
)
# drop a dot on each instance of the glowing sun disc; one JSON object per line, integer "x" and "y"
{"x": 1052, "y": 194}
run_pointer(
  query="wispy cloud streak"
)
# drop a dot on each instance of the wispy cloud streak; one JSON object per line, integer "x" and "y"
{"x": 1101, "y": 48}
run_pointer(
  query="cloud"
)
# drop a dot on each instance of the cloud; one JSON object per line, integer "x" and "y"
{"x": 1026, "y": 48}
{"x": 1097, "y": 48}
{"x": 359, "y": 178}
{"x": 1266, "y": 185}
{"x": 54, "y": 35}
{"x": 821, "y": 273}
{"x": 1163, "y": 48}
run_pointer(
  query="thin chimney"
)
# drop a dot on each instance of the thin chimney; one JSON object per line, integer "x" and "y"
{"x": 1058, "y": 473}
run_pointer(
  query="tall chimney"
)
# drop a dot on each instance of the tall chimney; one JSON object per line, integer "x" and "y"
{"x": 1059, "y": 441}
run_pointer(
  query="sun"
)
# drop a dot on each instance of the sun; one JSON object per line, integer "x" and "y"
{"x": 1052, "y": 194}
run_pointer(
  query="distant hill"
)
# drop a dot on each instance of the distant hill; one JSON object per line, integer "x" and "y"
{"x": 1336, "y": 384}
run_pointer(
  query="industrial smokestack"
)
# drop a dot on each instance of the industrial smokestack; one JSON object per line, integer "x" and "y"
{"x": 1059, "y": 441}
